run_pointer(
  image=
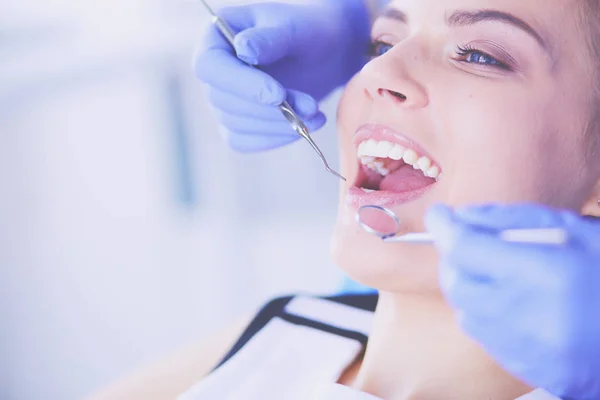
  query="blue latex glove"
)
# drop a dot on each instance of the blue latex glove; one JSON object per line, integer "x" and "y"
{"x": 305, "y": 51}
{"x": 534, "y": 308}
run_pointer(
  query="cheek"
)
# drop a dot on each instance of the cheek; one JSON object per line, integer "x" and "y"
{"x": 351, "y": 113}
{"x": 503, "y": 145}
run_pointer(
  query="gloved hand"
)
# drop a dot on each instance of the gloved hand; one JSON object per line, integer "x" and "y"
{"x": 305, "y": 51}
{"x": 534, "y": 308}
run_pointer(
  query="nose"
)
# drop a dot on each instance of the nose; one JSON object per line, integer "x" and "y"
{"x": 390, "y": 78}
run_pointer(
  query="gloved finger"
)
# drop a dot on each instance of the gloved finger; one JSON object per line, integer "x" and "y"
{"x": 439, "y": 221}
{"x": 470, "y": 248}
{"x": 305, "y": 106}
{"x": 585, "y": 230}
{"x": 511, "y": 347}
{"x": 511, "y": 262}
{"x": 245, "y": 143}
{"x": 217, "y": 66}
{"x": 477, "y": 329}
{"x": 263, "y": 45}
{"x": 242, "y": 18}
{"x": 503, "y": 347}
{"x": 267, "y": 32}
{"x": 528, "y": 216}
{"x": 254, "y": 45}
{"x": 239, "y": 17}
{"x": 476, "y": 295}
{"x": 258, "y": 127}
{"x": 499, "y": 217}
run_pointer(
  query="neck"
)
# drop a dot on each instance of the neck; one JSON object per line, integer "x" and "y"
{"x": 417, "y": 351}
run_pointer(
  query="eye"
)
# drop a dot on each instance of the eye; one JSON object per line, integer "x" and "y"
{"x": 378, "y": 48}
{"x": 474, "y": 56}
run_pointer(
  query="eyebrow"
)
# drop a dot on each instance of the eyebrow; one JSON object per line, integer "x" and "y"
{"x": 467, "y": 18}
{"x": 395, "y": 14}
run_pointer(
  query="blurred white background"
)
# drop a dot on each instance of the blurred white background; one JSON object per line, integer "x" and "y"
{"x": 127, "y": 228}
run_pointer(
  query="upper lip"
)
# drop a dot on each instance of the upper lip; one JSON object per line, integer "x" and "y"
{"x": 370, "y": 131}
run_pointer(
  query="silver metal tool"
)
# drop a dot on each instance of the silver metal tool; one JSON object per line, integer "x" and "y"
{"x": 285, "y": 108}
{"x": 389, "y": 227}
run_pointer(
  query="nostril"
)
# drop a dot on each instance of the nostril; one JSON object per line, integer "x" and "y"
{"x": 399, "y": 96}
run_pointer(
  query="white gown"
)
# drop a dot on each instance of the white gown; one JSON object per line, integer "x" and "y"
{"x": 297, "y": 353}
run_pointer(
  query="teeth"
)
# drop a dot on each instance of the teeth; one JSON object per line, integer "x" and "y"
{"x": 410, "y": 157}
{"x": 370, "y": 148}
{"x": 371, "y": 153}
{"x": 367, "y": 190}
{"x": 367, "y": 159}
{"x": 362, "y": 150}
{"x": 433, "y": 172}
{"x": 378, "y": 166}
{"x": 383, "y": 149}
{"x": 396, "y": 153}
{"x": 423, "y": 163}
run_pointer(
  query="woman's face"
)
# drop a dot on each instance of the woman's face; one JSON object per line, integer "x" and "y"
{"x": 493, "y": 95}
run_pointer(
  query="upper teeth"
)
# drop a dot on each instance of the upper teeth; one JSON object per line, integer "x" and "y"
{"x": 371, "y": 149}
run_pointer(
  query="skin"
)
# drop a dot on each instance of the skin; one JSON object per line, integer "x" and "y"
{"x": 500, "y": 137}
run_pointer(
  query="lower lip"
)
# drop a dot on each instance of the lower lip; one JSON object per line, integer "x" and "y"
{"x": 358, "y": 198}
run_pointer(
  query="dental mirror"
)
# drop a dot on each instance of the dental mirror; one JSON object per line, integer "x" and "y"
{"x": 385, "y": 224}
{"x": 378, "y": 221}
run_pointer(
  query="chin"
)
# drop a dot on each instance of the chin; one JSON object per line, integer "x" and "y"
{"x": 392, "y": 267}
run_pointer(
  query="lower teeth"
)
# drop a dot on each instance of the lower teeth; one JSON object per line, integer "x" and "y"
{"x": 367, "y": 190}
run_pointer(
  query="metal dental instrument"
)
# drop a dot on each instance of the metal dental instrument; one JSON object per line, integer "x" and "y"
{"x": 392, "y": 224}
{"x": 285, "y": 108}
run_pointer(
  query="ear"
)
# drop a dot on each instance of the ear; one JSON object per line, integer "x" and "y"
{"x": 592, "y": 205}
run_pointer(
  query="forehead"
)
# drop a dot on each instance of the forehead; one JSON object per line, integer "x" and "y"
{"x": 557, "y": 22}
{"x": 543, "y": 14}
{"x": 540, "y": 5}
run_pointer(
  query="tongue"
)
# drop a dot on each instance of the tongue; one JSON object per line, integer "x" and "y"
{"x": 405, "y": 179}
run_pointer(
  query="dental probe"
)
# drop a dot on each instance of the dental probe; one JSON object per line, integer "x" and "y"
{"x": 385, "y": 216}
{"x": 555, "y": 237}
{"x": 285, "y": 108}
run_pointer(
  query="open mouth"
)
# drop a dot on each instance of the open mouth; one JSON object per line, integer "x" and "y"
{"x": 392, "y": 168}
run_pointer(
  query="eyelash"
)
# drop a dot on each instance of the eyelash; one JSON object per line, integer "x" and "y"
{"x": 465, "y": 52}
{"x": 374, "y": 46}
{"x": 463, "y": 55}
